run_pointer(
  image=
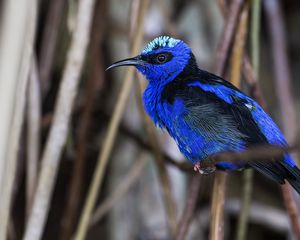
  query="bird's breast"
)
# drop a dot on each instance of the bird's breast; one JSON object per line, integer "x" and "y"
{"x": 153, "y": 104}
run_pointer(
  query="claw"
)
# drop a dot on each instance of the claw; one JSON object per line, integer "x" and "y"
{"x": 197, "y": 168}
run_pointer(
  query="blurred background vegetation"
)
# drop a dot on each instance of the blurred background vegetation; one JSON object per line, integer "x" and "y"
{"x": 78, "y": 157}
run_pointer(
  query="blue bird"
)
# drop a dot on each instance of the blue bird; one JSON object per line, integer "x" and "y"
{"x": 204, "y": 113}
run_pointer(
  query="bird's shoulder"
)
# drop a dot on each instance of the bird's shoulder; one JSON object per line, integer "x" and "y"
{"x": 202, "y": 86}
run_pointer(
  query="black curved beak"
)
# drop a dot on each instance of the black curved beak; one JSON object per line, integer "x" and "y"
{"x": 135, "y": 61}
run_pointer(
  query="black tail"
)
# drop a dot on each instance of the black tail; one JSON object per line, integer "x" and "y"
{"x": 279, "y": 171}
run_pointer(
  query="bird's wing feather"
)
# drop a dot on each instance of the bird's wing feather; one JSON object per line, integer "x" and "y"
{"x": 229, "y": 103}
{"x": 251, "y": 120}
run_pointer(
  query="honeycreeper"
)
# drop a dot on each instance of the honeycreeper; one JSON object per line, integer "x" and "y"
{"x": 204, "y": 113}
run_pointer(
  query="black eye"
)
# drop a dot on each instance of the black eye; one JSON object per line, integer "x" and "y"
{"x": 161, "y": 58}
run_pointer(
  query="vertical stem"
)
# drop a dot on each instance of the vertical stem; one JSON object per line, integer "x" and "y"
{"x": 284, "y": 94}
{"x": 49, "y": 38}
{"x": 93, "y": 85}
{"x": 217, "y": 207}
{"x": 238, "y": 48}
{"x": 227, "y": 35}
{"x": 111, "y": 133}
{"x": 18, "y": 25}
{"x": 33, "y": 122}
{"x": 189, "y": 210}
{"x": 245, "y": 204}
{"x": 248, "y": 174}
{"x": 122, "y": 189}
{"x": 255, "y": 35}
{"x": 59, "y": 129}
{"x": 281, "y": 68}
{"x": 219, "y": 188}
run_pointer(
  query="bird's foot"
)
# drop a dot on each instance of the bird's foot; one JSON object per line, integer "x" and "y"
{"x": 197, "y": 168}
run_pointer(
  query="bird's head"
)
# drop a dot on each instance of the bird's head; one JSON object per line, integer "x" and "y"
{"x": 161, "y": 60}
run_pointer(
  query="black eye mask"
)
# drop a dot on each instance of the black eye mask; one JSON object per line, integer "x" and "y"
{"x": 158, "y": 58}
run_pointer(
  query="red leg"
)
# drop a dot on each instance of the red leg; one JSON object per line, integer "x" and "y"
{"x": 197, "y": 168}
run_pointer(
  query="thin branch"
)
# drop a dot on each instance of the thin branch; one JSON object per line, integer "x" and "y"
{"x": 284, "y": 93}
{"x": 94, "y": 84}
{"x": 166, "y": 13}
{"x": 223, "y": 7}
{"x": 217, "y": 207}
{"x": 247, "y": 175}
{"x": 238, "y": 47}
{"x": 255, "y": 35}
{"x": 18, "y": 26}
{"x": 227, "y": 35}
{"x": 190, "y": 206}
{"x": 248, "y": 72}
{"x": 59, "y": 129}
{"x": 51, "y": 29}
{"x": 182, "y": 165}
{"x": 127, "y": 183}
{"x": 292, "y": 209}
{"x": 33, "y": 126}
{"x": 281, "y": 68}
{"x": 260, "y": 152}
{"x": 111, "y": 133}
{"x": 252, "y": 82}
{"x": 218, "y": 197}
{"x": 245, "y": 204}
{"x": 262, "y": 214}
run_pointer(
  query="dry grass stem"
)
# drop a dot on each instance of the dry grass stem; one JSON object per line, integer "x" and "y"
{"x": 16, "y": 47}
{"x": 292, "y": 209}
{"x": 190, "y": 208}
{"x": 49, "y": 41}
{"x": 219, "y": 188}
{"x": 227, "y": 35}
{"x": 33, "y": 128}
{"x": 123, "y": 188}
{"x": 217, "y": 207}
{"x": 93, "y": 87}
{"x": 238, "y": 48}
{"x": 284, "y": 94}
{"x": 59, "y": 129}
{"x": 248, "y": 174}
{"x": 111, "y": 133}
{"x": 235, "y": 77}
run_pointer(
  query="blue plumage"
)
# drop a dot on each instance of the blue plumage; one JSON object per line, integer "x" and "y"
{"x": 204, "y": 113}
